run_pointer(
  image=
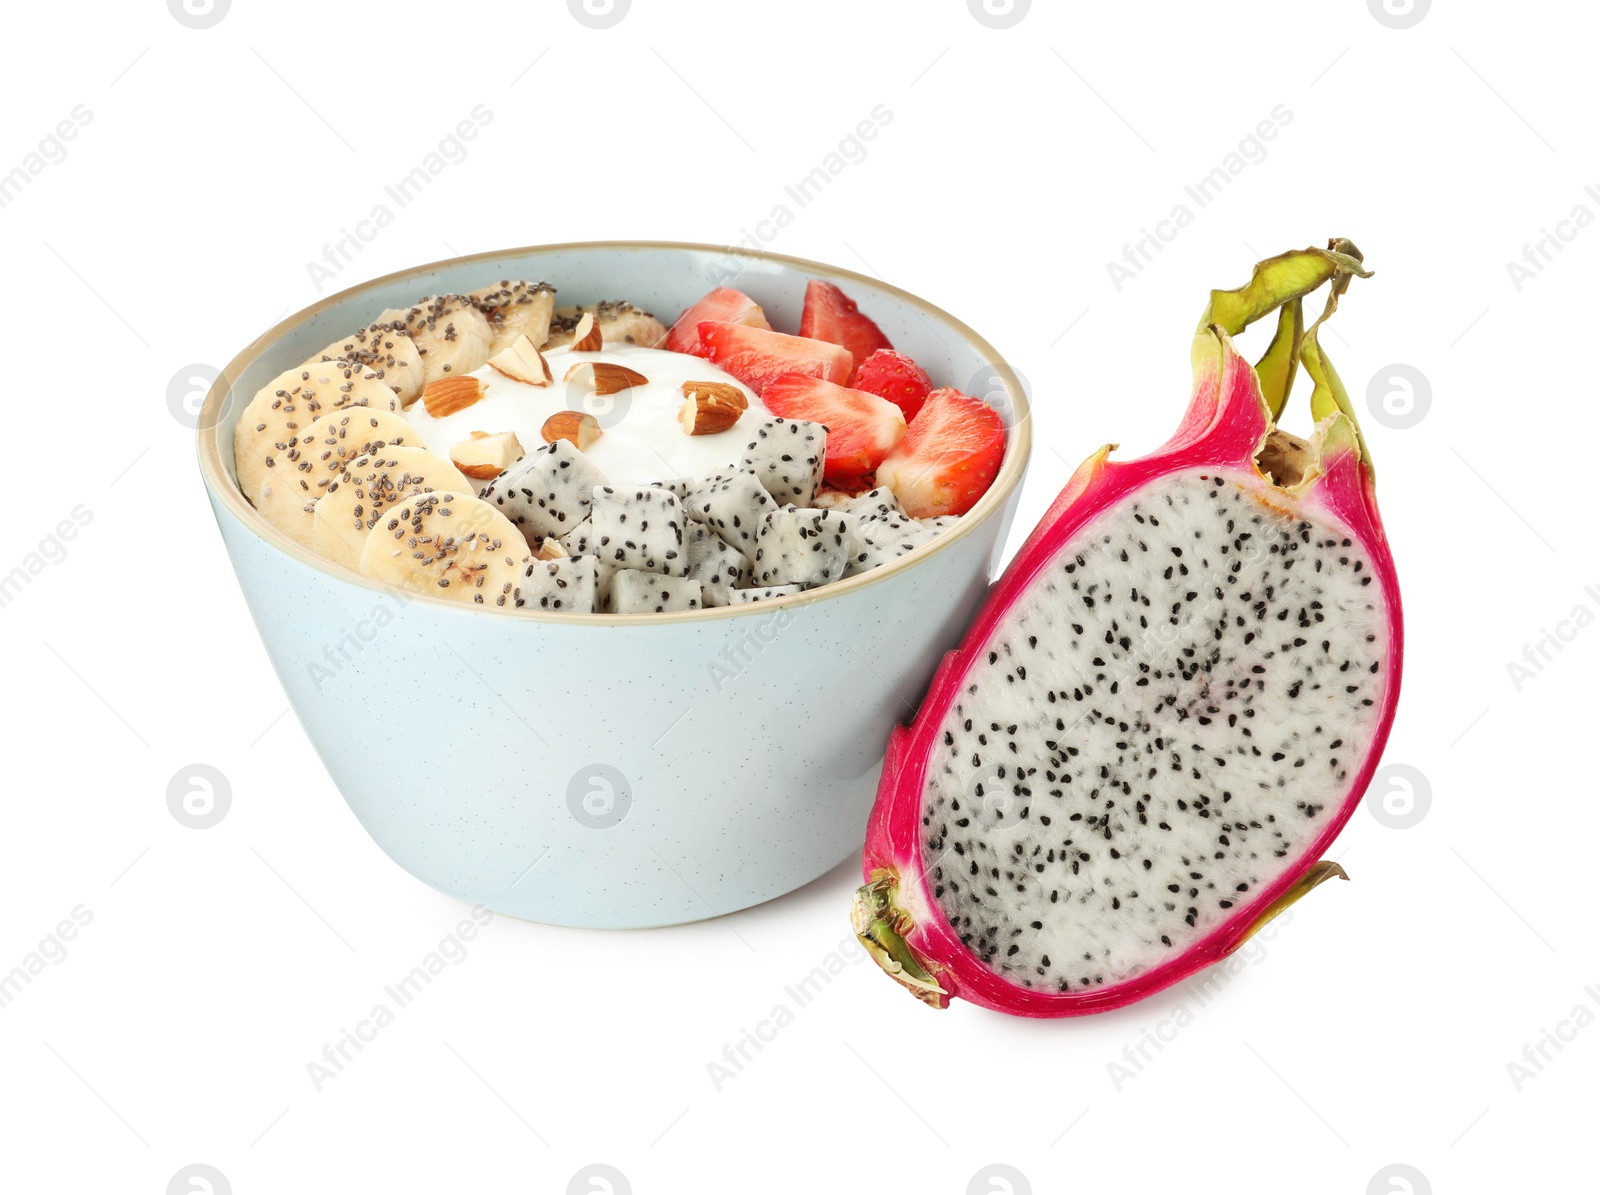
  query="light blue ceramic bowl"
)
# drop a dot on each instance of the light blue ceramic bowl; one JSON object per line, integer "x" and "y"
{"x": 591, "y": 770}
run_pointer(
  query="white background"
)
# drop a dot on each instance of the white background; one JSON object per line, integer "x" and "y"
{"x": 1376, "y": 1026}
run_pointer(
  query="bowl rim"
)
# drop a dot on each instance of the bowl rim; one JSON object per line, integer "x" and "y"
{"x": 224, "y": 489}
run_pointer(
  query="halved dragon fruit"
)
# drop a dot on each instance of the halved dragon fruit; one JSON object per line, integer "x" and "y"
{"x": 1170, "y": 704}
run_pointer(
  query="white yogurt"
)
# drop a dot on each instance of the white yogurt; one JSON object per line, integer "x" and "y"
{"x": 641, "y": 440}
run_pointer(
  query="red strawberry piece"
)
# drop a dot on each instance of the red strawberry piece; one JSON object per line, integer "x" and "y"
{"x": 755, "y": 355}
{"x": 894, "y": 376}
{"x": 862, "y": 427}
{"x": 724, "y": 304}
{"x": 830, "y": 314}
{"x": 949, "y": 457}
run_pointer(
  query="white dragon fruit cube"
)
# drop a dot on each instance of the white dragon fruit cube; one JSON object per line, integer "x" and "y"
{"x": 787, "y": 456}
{"x": 719, "y": 568}
{"x": 639, "y": 529}
{"x": 569, "y": 585}
{"x": 803, "y": 546}
{"x": 881, "y": 540}
{"x": 634, "y": 591}
{"x": 547, "y": 492}
{"x": 679, "y": 487}
{"x": 733, "y": 505}
{"x": 879, "y": 505}
{"x": 580, "y": 542}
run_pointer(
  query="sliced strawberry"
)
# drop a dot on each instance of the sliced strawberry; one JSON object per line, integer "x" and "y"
{"x": 830, "y": 314}
{"x": 949, "y": 457}
{"x": 894, "y": 376}
{"x": 725, "y": 305}
{"x": 755, "y": 355}
{"x": 862, "y": 427}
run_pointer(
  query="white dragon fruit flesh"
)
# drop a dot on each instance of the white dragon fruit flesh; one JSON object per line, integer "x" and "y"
{"x": 639, "y": 529}
{"x": 802, "y": 546}
{"x": 787, "y": 455}
{"x": 547, "y": 492}
{"x": 567, "y": 585}
{"x": 718, "y": 568}
{"x": 580, "y": 542}
{"x": 732, "y": 504}
{"x": 635, "y": 591}
{"x": 679, "y": 487}
{"x": 878, "y": 505}
{"x": 883, "y": 538}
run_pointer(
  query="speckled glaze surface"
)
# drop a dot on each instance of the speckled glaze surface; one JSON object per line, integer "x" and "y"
{"x": 598, "y": 771}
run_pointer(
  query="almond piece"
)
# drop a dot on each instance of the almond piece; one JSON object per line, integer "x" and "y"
{"x": 522, "y": 362}
{"x": 603, "y": 377}
{"x": 702, "y": 415}
{"x": 446, "y": 396}
{"x": 723, "y": 392}
{"x": 586, "y": 336}
{"x": 576, "y": 427}
{"x": 551, "y": 548}
{"x": 485, "y": 457}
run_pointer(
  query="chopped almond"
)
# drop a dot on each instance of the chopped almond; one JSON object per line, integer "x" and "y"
{"x": 446, "y": 396}
{"x": 484, "y": 456}
{"x": 522, "y": 362}
{"x": 723, "y": 392}
{"x": 586, "y": 336}
{"x": 576, "y": 427}
{"x": 705, "y": 415}
{"x": 603, "y": 377}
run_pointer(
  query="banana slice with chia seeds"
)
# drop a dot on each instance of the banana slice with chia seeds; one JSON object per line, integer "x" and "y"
{"x": 619, "y": 323}
{"x": 450, "y": 544}
{"x": 286, "y": 406}
{"x": 452, "y": 335}
{"x": 360, "y": 497}
{"x": 315, "y": 457}
{"x": 517, "y": 309}
{"x": 386, "y": 350}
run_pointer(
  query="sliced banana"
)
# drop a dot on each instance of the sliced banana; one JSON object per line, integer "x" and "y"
{"x": 517, "y": 309}
{"x": 386, "y": 351}
{"x": 360, "y": 497}
{"x": 316, "y": 456}
{"x": 286, "y": 406}
{"x": 449, "y": 544}
{"x": 452, "y": 335}
{"x": 619, "y": 323}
